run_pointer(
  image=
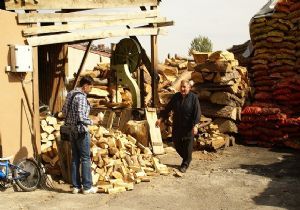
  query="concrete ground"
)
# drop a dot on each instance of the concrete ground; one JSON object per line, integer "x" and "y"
{"x": 238, "y": 177}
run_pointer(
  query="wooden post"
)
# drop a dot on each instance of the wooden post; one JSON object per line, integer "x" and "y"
{"x": 36, "y": 105}
{"x": 36, "y": 141}
{"x": 82, "y": 64}
{"x": 154, "y": 65}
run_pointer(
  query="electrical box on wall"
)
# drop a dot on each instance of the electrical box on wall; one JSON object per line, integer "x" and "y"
{"x": 21, "y": 58}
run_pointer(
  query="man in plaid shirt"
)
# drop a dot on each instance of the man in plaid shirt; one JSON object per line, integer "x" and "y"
{"x": 76, "y": 111}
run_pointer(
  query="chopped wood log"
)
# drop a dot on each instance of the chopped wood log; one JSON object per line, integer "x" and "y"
{"x": 219, "y": 111}
{"x": 44, "y": 135}
{"x": 197, "y": 77}
{"x": 228, "y": 76}
{"x": 219, "y": 142}
{"x": 51, "y": 120}
{"x": 98, "y": 92}
{"x": 219, "y": 66}
{"x": 49, "y": 129}
{"x": 226, "y": 126}
{"x": 224, "y": 98}
{"x": 186, "y": 75}
{"x": 139, "y": 130}
{"x": 116, "y": 190}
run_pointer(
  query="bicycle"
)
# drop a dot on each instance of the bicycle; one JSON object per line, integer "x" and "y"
{"x": 26, "y": 174}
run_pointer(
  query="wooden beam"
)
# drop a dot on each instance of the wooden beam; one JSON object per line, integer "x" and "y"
{"x": 69, "y": 17}
{"x": 82, "y": 63}
{"x": 83, "y": 26}
{"x": 154, "y": 61}
{"x": 71, "y": 37}
{"x": 75, "y": 4}
{"x": 36, "y": 104}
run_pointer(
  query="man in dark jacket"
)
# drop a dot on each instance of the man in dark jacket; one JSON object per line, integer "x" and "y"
{"x": 186, "y": 115}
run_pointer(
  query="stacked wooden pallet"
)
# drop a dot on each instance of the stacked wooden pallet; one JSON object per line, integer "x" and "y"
{"x": 222, "y": 86}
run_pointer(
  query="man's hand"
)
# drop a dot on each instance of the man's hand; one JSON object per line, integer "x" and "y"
{"x": 158, "y": 122}
{"x": 195, "y": 130}
{"x": 95, "y": 120}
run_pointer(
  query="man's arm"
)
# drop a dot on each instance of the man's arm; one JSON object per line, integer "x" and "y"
{"x": 197, "y": 112}
{"x": 82, "y": 110}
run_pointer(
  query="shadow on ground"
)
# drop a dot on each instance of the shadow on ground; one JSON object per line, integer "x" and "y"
{"x": 284, "y": 189}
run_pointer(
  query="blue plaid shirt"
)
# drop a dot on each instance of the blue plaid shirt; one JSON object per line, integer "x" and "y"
{"x": 77, "y": 113}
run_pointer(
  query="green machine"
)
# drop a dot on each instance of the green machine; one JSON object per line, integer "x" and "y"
{"x": 125, "y": 60}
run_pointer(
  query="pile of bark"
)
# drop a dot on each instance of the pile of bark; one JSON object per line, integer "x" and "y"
{"x": 275, "y": 71}
{"x": 118, "y": 160}
{"x": 222, "y": 86}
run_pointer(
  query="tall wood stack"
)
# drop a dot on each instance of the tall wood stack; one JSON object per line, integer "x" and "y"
{"x": 275, "y": 74}
{"x": 222, "y": 86}
{"x": 176, "y": 69}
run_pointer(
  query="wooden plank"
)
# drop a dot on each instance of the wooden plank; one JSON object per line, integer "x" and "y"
{"x": 81, "y": 36}
{"x": 69, "y": 17}
{"x": 83, "y": 26}
{"x": 154, "y": 61}
{"x": 36, "y": 103}
{"x": 155, "y": 135}
{"x": 75, "y": 4}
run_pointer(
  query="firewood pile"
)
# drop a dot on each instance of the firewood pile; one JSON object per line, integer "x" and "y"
{"x": 50, "y": 127}
{"x": 118, "y": 160}
{"x": 276, "y": 78}
{"x": 210, "y": 137}
{"x": 222, "y": 86}
{"x": 211, "y": 78}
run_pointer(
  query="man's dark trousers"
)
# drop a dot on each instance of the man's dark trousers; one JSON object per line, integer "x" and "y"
{"x": 184, "y": 147}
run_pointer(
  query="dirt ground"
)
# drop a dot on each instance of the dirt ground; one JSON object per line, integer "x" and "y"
{"x": 238, "y": 177}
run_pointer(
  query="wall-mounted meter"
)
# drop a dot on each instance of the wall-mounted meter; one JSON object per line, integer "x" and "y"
{"x": 21, "y": 58}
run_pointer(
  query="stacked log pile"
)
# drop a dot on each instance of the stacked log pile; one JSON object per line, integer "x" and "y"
{"x": 50, "y": 127}
{"x": 209, "y": 79}
{"x": 118, "y": 160}
{"x": 275, "y": 74}
{"x": 222, "y": 86}
{"x": 210, "y": 137}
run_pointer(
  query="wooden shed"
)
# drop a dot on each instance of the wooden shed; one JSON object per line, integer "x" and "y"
{"x": 48, "y": 27}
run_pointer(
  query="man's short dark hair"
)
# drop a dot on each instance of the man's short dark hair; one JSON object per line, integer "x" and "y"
{"x": 86, "y": 80}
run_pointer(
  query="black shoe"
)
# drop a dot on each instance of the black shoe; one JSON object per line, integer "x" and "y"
{"x": 183, "y": 169}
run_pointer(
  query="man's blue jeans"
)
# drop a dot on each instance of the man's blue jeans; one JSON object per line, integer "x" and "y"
{"x": 81, "y": 154}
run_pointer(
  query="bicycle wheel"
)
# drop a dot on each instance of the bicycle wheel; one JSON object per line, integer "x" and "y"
{"x": 27, "y": 175}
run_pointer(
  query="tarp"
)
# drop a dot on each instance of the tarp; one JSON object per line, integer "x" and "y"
{"x": 266, "y": 10}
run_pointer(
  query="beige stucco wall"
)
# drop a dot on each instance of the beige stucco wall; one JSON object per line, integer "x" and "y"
{"x": 15, "y": 119}
{"x": 75, "y": 57}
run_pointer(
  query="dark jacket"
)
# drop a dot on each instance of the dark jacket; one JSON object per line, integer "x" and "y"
{"x": 186, "y": 114}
